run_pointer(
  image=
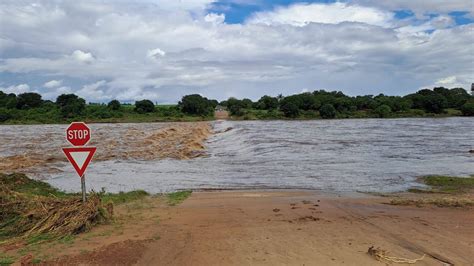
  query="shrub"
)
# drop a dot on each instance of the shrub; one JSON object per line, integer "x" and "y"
{"x": 4, "y": 115}
{"x": 267, "y": 103}
{"x": 327, "y": 111}
{"x": 383, "y": 111}
{"x": 114, "y": 105}
{"x": 468, "y": 109}
{"x": 70, "y": 105}
{"x": 28, "y": 100}
{"x": 290, "y": 109}
{"x": 195, "y": 104}
{"x": 144, "y": 106}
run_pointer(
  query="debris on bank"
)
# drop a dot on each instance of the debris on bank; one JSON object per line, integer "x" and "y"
{"x": 30, "y": 208}
{"x": 382, "y": 255}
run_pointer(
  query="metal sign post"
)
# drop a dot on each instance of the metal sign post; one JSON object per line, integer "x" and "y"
{"x": 83, "y": 187}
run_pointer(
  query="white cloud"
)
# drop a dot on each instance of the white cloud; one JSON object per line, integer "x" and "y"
{"x": 94, "y": 91}
{"x": 302, "y": 14}
{"x": 354, "y": 48}
{"x": 422, "y": 7}
{"x": 154, "y": 53}
{"x": 16, "y": 89}
{"x": 82, "y": 57}
{"x": 53, "y": 83}
{"x": 214, "y": 18}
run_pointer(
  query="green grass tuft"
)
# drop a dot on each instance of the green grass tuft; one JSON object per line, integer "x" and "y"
{"x": 5, "y": 260}
{"x": 449, "y": 184}
{"x": 22, "y": 184}
{"x": 123, "y": 197}
{"x": 176, "y": 198}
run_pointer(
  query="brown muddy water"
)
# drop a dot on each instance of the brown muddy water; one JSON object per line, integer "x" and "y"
{"x": 378, "y": 155}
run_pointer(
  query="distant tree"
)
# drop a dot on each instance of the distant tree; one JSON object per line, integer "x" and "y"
{"x": 268, "y": 103}
{"x": 435, "y": 103}
{"x": 468, "y": 109}
{"x": 4, "y": 114}
{"x": 247, "y": 103}
{"x": 457, "y": 97}
{"x": 144, "y": 106}
{"x": 327, "y": 111}
{"x": 8, "y": 100}
{"x": 114, "y": 105}
{"x": 195, "y": 104}
{"x": 70, "y": 105}
{"x": 344, "y": 104}
{"x": 383, "y": 111}
{"x": 213, "y": 103}
{"x": 28, "y": 100}
{"x": 235, "y": 106}
{"x": 290, "y": 109}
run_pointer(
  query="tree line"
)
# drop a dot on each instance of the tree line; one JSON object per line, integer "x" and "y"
{"x": 334, "y": 104}
{"x": 324, "y": 104}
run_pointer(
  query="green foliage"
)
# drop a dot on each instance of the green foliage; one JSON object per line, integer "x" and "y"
{"x": 176, "y": 198}
{"x": 4, "y": 115}
{"x": 467, "y": 109}
{"x": 70, "y": 105}
{"x": 449, "y": 184}
{"x": 195, "y": 104}
{"x": 8, "y": 101}
{"x": 383, "y": 111}
{"x": 114, "y": 105}
{"x": 327, "y": 111}
{"x": 267, "y": 103}
{"x": 28, "y": 100}
{"x": 123, "y": 197}
{"x": 22, "y": 184}
{"x": 144, "y": 106}
{"x": 236, "y": 106}
{"x": 290, "y": 109}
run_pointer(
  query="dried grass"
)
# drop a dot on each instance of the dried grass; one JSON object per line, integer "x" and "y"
{"x": 23, "y": 215}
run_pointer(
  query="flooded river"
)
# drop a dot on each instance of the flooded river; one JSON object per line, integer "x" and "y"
{"x": 379, "y": 155}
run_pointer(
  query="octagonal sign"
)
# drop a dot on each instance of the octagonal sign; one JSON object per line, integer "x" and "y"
{"x": 78, "y": 133}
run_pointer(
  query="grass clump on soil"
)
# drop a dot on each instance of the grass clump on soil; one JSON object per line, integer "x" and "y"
{"x": 176, "y": 198}
{"x": 123, "y": 197}
{"x": 446, "y": 184}
{"x": 6, "y": 260}
{"x": 440, "y": 202}
{"x": 36, "y": 212}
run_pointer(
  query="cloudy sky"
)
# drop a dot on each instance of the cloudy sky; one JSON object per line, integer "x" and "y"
{"x": 164, "y": 49}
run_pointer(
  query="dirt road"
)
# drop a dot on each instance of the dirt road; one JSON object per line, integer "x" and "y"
{"x": 275, "y": 228}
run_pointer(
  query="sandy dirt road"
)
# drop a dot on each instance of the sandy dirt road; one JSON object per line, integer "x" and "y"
{"x": 277, "y": 228}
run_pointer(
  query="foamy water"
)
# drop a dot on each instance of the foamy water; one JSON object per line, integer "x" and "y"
{"x": 380, "y": 155}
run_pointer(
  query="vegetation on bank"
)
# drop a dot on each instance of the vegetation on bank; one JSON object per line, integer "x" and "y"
{"x": 31, "y": 108}
{"x": 322, "y": 104}
{"x": 444, "y": 191}
{"x": 447, "y": 184}
{"x": 176, "y": 198}
{"x": 32, "y": 210}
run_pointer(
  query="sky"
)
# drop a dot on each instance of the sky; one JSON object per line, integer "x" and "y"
{"x": 164, "y": 49}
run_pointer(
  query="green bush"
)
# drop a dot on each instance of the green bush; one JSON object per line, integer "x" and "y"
{"x": 468, "y": 109}
{"x": 195, "y": 104}
{"x": 4, "y": 115}
{"x": 383, "y": 111}
{"x": 290, "y": 109}
{"x": 144, "y": 106}
{"x": 70, "y": 105}
{"x": 327, "y": 111}
{"x": 28, "y": 100}
{"x": 114, "y": 105}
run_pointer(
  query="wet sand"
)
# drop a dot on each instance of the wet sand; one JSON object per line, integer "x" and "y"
{"x": 275, "y": 228}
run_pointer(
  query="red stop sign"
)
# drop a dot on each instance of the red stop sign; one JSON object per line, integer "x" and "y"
{"x": 78, "y": 133}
